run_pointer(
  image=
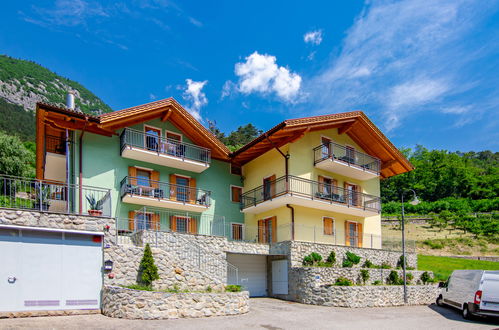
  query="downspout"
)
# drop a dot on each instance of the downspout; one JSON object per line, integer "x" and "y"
{"x": 67, "y": 171}
{"x": 80, "y": 165}
{"x": 292, "y": 221}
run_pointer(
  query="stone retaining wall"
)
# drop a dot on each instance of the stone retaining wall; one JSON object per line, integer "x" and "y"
{"x": 133, "y": 304}
{"x": 367, "y": 296}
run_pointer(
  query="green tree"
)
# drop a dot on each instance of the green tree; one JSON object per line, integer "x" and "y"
{"x": 15, "y": 159}
{"x": 148, "y": 272}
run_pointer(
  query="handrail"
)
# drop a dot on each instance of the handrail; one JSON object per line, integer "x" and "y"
{"x": 138, "y": 139}
{"x": 164, "y": 190}
{"x": 347, "y": 155}
{"x": 310, "y": 189}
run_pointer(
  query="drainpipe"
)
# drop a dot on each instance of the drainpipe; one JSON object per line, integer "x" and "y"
{"x": 80, "y": 165}
{"x": 292, "y": 221}
{"x": 67, "y": 170}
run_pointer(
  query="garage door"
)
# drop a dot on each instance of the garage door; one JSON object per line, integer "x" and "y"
{"x": 43, "y": 270}
{"x": 252, "y": 271}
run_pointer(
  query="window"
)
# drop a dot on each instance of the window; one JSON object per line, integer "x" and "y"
{"x": 328, "y": 224}
{"x": 267, "y": 230}
{"x": 237, "y": 231}
{"x": 269, "y": 187}
{"x": 143, "y": 221}
{"x": 183, "y": 224}
{"x": 352, "y": 194}
{"x": 143, "y": 178}
{"x": 174, "y": 145}
{"x": 235, "y": 169}
{"x": 353, "y": 234}
{"x": 326, "y": 147}
{"x": 236, "y": 193}
{"x": 153, "y": 136}
{"x": 174, "y": 136}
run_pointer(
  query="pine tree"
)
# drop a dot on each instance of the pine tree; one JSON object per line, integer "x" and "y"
{"x": 148, "y": 272}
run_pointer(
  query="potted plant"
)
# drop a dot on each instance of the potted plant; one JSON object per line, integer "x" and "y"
{"x": 95, "y": 205}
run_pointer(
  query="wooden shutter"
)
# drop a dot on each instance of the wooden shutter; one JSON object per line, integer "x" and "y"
{"x": 173, "y": 187}
{"x": 272, "y": 186}
{"x": 173, "y": 223}
{"x": 347, "y": 234}
{"x": 236, "y": 194}
{"x": 357, "y": 198}
{"x": 274, "y": 229}
{"x": 261, "y": 233}
{"x": 192, "y": 226}
{"x": 328, "y": 226}
{"x": 321, "y": 184}
{"x": 132, "y": 174}
{"x": 360, "y": 234}
{"x": 155, "y": 221}
{"x": 192, "y": 190}
{"x": 131, "y": 220}
{"x": 335, "y": 186}
{"x": 154, "y": 179}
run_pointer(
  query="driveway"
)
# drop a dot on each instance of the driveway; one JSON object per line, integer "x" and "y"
{"x": 272, "y": 314}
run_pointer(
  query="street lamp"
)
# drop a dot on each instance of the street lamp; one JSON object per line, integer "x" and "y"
{"x": 415, "y": 201}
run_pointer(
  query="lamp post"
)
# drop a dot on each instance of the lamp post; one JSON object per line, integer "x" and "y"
{"x": 415, "y": 201}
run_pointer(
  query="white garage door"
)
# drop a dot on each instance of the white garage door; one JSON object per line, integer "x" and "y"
{"x": 252, "y": 270}
{"x": 42, "y": 270}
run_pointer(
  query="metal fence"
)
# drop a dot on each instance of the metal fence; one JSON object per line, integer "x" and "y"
{"x": 346, "y": 155}
{"x": 309, "y": 189}
{"x": 170, "y": 147}
{"x": 164, "y": 191}
{"x": 42, "y": 195}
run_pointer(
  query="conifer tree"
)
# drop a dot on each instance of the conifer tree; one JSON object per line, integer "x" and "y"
{"x": 148, "y": 272}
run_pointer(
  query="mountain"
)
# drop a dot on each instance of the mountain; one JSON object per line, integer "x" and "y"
{"x": 23, "y": 83}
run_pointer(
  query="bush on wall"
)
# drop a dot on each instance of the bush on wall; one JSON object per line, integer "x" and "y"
{"x": 148, "y": 271}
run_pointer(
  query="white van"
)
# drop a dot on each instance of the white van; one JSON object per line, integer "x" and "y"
{"x": 474, "y": 292}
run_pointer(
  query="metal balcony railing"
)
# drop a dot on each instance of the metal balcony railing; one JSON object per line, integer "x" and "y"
{"x": 137, "y": 139}
{"x": 310, "y": 189}
{"x": 348, "y": 155}
{"x": 164, "y": 191}
{"x": 49, "y": 196}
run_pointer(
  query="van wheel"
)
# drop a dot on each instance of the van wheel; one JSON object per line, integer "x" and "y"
{"x": 466, "y": 312}
{"x": 439, "y": 301}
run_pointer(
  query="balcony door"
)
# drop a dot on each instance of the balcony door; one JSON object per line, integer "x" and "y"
{"x": 269, "y": 187}
{"x": 326, "y": 147}
{"x": 350, "y": 154}
{"x": 353, "y": 234}
{"x": 183, "y": 189}
{"x": 153, "y": 136}
{"x": 267, "y": 230}
{"x": 352, "y": 192}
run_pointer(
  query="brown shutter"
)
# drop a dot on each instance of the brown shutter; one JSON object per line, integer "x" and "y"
{"x": 173, "y": 223}
{"x": 357, "y": 198}
{"x": 321, "y": 184}
{"x": 155, "y": 179}
{"x": 193, "y": 228}
{"x": 328, "y": 226}
{"x": 274, "y": 229}
{"x": 272, "y": 186}
{"x": 132, "y": 174}
{"x": 335, "y": 186}
{"x": 261, "y": 225}
{"x": 131, "y": 220}
{"x": 360, "y": 234}
{"x": 192, "y": 190}
{"x": 236, "y": 194}
{"x": 347, "y": 234}
{"x": 155, "y": 221}
{"x": 173, "y": 187}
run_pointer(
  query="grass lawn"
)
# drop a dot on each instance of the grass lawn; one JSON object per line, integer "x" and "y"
{"x": 442, "y": 267}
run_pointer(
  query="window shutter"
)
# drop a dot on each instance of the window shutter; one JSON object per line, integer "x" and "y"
{"x": 360, "y": 234}
{"x": 132, "y": 174}
{"x": 321, "y": 184}
{"x": 193, "y": 226}
{"x": 357, "y": 197}
{"x": 261, "y": 231}
{"x": 347, "y": 234}
{"x": 274, "y": 229}
{"x": 236, "y": 194}
{"x": 155, "y": 221}
{"x": 192, "y": 190}
{"x": 155, "y": 179}
{"x": 173, "y": 187}
{"x": 131, "y": 220}
{"x": 173, "y": 223}
{"x": 335, "y": 186}
{"x": 328, "y": 226}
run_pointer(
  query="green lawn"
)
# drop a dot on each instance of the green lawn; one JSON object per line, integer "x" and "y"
{"x": 442, "y": 267}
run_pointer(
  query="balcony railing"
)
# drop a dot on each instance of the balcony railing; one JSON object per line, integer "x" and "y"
{"x": 347, "y": 155}
{"x": 169, "y": 147}
{"x": 159, "y": 190}
{"x": 314, "y": 190}
{"x": 47, "y": 196}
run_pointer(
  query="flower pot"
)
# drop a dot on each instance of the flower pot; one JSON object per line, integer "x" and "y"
{"x": 95, "y": 213}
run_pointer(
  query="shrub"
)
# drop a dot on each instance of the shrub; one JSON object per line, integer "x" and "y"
{"x": 209, "y": 289}
{"x": 386, "y": 265}
{"x": 400, "y": 262}
{"x": 308, "y": 261}
{"x": 347, "y": 263}
{"x": 331, "y": 258}
{"x": 233, "y": 288}
{"x": 426, "y": 278}
{"x": 393, "y": 278}
{"x": 343, "y": 281}
{"x": 355, "y": 259}
{"x": 409, "y": 277}
{"x": 313, "y": 259}
{"x": 368, "y": 264}
{"x": 377, "y": 282}
{"x": 148, "y": 272}
{"x": 138, "y": 287}
{"x": 316, "y": 257}
{"x": 364, "y": 275}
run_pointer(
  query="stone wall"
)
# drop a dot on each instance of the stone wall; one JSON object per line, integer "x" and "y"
{"x": 173, "y": 272}
{"x": 367, "y": 296}
{"x": 133, "y": 304}
{"x": 298, "y": 250}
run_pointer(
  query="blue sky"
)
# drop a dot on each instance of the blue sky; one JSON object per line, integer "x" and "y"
{"x": 426, "y": 72}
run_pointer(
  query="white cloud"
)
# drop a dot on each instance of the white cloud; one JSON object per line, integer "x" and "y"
{"x": 404, "y": 57}
{"x": 313, "y": 37}
{"x": 71, "y": 12}
{"x": 152, "y": 96}
{"x": 197, "y": 98}
{"x": 261, "y": 74}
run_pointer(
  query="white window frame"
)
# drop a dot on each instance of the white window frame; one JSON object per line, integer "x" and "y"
{"x": 145, "y": 133}
{"x": 174, "y": 133}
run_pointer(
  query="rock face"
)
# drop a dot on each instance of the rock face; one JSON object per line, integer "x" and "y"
{"x": 133, "y": 304}
{"x": 368, "y": 296}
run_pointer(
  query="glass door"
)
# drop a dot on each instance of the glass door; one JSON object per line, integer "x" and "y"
{"x": 152, "y": 138}
{"x": 326, "y": 147}
{"x": 182, "y": 188}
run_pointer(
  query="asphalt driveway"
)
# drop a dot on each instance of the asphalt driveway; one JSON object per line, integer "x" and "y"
{"x": 275, "y": 314}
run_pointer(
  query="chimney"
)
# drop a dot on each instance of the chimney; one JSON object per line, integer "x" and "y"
{"x": 70, "y": 100}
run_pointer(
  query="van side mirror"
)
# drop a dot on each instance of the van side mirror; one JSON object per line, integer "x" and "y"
{"x": 441, "y": 285}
